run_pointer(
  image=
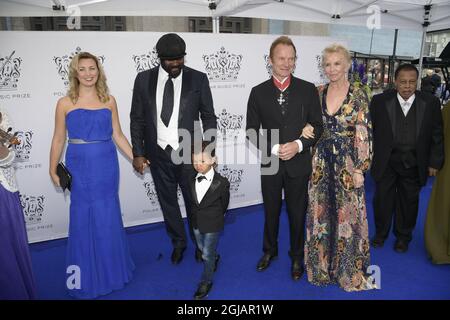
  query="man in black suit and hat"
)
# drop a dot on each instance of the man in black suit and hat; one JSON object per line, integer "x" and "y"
{"x": 167, "y": 102}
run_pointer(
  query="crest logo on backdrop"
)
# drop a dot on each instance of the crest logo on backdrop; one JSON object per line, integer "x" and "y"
{"x": 23, "y": 150}
{"x": 146, "y": 61}
{"x": 323, "y": 78}
{"x": 229, "y": 125}
{"x": 9, "y": 71}
{"x": 222, "y": 65}
{"x": 63, "y": 62}
{"x": 151, "y": 192}
{"x": 234, "y": 176}
{"x": 33, "y": 208}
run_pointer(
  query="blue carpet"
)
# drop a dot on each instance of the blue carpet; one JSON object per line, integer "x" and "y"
{"x": 403, "y": 276}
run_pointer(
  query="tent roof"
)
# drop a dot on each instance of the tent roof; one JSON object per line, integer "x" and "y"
{"x": 394, "y": 13}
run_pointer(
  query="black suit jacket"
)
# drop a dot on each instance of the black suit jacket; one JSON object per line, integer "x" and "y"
{"x": 195, "y": 100}
{"x": 264, "y": 111}
{"x": 208, "y": 215}
{"x": 429, "y": 135}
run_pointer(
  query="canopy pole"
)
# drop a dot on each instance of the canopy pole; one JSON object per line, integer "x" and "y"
{"x": 215, "y": 24}
{"x": 422, "y": 49}
{"x": 391, "y": 68}
{"x": 426, "y": 23}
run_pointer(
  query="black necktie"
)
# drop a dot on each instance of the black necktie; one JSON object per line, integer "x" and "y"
{"x": 200, "y": 178}
{"x": 167, "y": 105}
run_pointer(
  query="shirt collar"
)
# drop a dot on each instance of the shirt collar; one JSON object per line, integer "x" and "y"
{"x": 410, "y": 99}
{"x": 282, "y": 81}
{"x": 209, "y": 175}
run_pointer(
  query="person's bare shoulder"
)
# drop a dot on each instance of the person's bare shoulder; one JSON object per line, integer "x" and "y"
{"x": 111, "y": 100}
{"x": 64, "y": 104}
{"x": 111, "y": 104}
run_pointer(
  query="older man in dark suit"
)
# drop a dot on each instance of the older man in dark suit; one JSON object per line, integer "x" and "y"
{"x": 167, "y": 101}
{"x": 408, "y": 146}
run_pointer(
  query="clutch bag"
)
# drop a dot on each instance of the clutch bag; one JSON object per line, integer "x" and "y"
{"x": 65, "y": 178}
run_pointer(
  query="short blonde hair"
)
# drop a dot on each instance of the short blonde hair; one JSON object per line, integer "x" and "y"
{"x": 74, "y": 83}
{"x": 336, "y": 48}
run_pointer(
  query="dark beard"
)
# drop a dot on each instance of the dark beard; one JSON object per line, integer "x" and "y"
{"x": 172, "y": 71}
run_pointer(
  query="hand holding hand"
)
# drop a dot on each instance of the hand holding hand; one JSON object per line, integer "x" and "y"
{"x": 140, "y": 163}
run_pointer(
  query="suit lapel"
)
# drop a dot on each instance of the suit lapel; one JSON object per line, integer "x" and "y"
{"x": 274, "y": 94}
{"x": 153, "y": 82}
{"x": 294, "y": 91}
{"x": 420, "y": 111}
{"x": 194, "y": 192}
{"x": 185, "y": 88}
{"x": 212, "y": 188}
{"x": 390, "y": 108}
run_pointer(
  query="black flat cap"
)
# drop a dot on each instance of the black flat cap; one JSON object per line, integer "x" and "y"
{"x": 171, "y": 46}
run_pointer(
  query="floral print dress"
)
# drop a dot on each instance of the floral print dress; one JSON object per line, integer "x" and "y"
{"x": 337, "y": 244}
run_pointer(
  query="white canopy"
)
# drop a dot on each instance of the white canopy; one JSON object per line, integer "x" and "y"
{"x": 408, "y": 14}
{"x": 423, "y": 15}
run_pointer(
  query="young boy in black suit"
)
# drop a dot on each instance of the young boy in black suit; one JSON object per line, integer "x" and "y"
{"x": 211, "y": 195}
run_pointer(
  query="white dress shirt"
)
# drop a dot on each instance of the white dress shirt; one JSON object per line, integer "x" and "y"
{"x": 406, "y": 105}
{"x": 202, "y": 187}
{"x": 168, "y": 135}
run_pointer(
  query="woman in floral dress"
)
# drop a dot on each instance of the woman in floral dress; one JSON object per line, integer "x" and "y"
{"x": 337, "y": 245}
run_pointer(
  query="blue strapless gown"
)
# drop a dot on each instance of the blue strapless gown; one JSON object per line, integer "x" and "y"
{"x": 97, "y": 241}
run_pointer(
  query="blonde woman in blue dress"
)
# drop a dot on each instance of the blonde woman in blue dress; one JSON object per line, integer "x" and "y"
{"x": 97, "y": 241}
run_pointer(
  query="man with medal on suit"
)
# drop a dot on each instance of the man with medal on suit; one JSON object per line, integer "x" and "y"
{"x": 283, "y": 105}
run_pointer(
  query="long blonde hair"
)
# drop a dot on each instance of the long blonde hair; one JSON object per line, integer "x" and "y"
{"x": 74, "y": 83}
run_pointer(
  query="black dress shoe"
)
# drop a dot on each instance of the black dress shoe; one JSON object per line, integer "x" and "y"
{"x": 377, "y": 242}
{"x": 198, "y": 255}
{"x": 297, "y": 270}
{"x": 401, "y": 246}
{"x": 216, "y": 262}
{"x": 264, "y": 262}
{"x": 177, "y": 255}
{"x": 202, "y": 290}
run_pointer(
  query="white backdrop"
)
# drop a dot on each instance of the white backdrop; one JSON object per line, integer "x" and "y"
{"x": 33, "y": 76}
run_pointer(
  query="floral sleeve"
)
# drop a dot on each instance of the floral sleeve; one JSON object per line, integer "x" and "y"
{"x": 363, "y": 132}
